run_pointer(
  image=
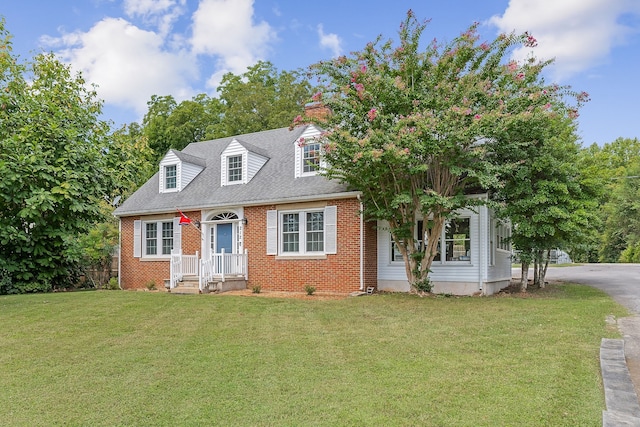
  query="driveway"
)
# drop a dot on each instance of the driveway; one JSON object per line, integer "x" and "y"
{"x": 622, "y": 282}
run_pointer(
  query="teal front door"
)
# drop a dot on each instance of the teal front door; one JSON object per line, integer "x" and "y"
{"x": 224, "y": 238}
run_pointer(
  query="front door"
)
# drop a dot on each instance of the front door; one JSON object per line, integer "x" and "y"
{"x": 224, "y": 238}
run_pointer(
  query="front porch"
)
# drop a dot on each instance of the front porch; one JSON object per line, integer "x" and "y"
{"x": 219, "y": 272}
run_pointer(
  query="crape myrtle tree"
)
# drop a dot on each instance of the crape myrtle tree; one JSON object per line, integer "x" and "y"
{"x": 52, "y": 163}
{"x": 415, "y": 129}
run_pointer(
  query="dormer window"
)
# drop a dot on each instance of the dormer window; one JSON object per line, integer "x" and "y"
{"x": 177, "y": 170}
{"x": 170, "y": 177}
{"x": 310, "y": 157}
{"x": 234, "y": 168}
{"x": 308, "y": 153}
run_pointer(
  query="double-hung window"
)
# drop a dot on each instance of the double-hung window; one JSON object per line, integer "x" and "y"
{"x": 302, "y": 232}
{"x": 234, "y": 168}
{"x": 310, "y": 157}
{"x": 170, "y": 177}
{"x": 158, "y": 238}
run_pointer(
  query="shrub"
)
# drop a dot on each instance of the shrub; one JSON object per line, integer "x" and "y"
{"x": 151, "y": 285}
{"x": 424, "y": 286}
{"x": 113, "y": 284}
{"x": 309, "y": 289}
{"x": 256, "y": 289}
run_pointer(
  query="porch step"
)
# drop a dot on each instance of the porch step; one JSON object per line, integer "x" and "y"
{"x": 188, "y": 285}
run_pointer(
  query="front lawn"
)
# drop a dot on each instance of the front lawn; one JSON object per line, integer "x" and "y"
{"x": 142, "y": 358}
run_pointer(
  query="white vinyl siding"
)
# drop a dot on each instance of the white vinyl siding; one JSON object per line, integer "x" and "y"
{"x": 188, "y": 172}
{"x": 254, "y": 164}
{"x": 251, "y": 163}
{"x": 302, "y": 232}
{"x": 184, "y": 173}
{"x": 455, "y": 271}
{"x": 171, "y": 159}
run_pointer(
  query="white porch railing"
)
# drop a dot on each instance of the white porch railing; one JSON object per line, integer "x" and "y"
{"x": 222, "y": 265}
{"x": 182, "y": 265}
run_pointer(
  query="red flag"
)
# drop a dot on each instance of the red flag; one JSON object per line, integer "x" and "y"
{"x": 184, "y": 220}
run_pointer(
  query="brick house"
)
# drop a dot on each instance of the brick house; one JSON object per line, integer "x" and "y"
{"x": 259, "y": 214}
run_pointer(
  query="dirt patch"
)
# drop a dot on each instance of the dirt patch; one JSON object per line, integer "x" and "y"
{"x": 513, "y": 290}
{"x": 317, "y": 296}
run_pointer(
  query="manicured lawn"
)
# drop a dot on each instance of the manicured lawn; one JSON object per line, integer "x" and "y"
{"x": 138, "y": 358}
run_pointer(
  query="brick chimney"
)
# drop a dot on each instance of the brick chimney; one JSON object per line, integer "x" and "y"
{"x": 317, "y": 110}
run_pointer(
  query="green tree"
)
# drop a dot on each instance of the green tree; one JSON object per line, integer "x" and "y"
{"x": 52, "y": 162}
{"x": 614, "y": 166}
{"x": 415, "y": 131}
{"x": 168, "y": 124}
{"x": 262, "y": 98}
{"x": 545, "y": 197}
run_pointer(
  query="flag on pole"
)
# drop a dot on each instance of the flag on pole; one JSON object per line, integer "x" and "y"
{"x": 184, "y": 220}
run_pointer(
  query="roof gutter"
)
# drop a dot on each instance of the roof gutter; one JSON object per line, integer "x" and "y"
{"x": 307, "y": 198}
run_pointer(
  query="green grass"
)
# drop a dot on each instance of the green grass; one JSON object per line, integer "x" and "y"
{"x": 139, "y": 358}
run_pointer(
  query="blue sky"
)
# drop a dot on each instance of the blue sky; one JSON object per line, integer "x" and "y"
{"x": 133, "y": 49}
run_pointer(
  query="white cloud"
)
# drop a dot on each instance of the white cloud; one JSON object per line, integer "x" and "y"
{"x": 160, "y": 13}
{"x": 579, "y": 34}
{"x": 330, "y": 41}
{"x": 225, "y": 29}
{"x": 127, "y": 63}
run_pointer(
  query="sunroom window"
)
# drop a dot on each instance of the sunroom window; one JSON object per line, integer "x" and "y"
{"x": 458, "y": 239}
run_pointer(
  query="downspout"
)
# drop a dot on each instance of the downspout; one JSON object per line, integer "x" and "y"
{"x": 361, "y": 243}
{"x": 120, "y": 253}
{"x": 484, "y": 237}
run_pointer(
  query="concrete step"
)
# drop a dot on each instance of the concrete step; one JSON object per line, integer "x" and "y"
{"x": 618, "y": 419}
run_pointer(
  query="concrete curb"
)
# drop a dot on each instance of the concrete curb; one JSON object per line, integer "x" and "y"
{"x": 621, "y": 399}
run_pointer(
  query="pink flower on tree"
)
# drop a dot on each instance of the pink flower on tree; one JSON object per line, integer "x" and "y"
{"x": 317, "y": 96}
{"x": 372, "y": 114}
{"x": 530, "y": 41}
{"x": 477, "y": 117}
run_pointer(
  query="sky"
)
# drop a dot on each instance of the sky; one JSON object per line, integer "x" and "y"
{"x": 133, "y": 49}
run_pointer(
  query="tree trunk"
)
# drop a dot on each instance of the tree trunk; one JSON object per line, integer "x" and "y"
{"x": 524, "y": 276}
{"x": 543, "y": 270}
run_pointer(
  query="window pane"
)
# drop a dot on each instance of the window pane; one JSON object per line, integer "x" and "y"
{"x": 170, "y": 176}
{"x": 310, "y": 157}
{"x": 458, "y": 240}
{"x": 167, "y": 237}
{"x": 315, "y": 231}
{"x": 151, "y": 237}
{"x": 290, "y": 232}
{"x": 234, "y": 172}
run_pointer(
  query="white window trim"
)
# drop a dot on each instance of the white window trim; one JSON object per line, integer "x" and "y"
{"x": 225, "y": 169}
{"x": 441, "y": 239}
{"x": 299, "y": 153}
{"x": 164, "y": 178}
{"x": 242, "y": 172}
{"x": 274, "y": 233}
{"x": 302, "y": 233}
{"x": 158, "y": 223}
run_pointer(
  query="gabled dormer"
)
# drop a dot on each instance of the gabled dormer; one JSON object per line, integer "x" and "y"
{"x": 307, "y": 148}
{"x": 177, "y": 170}
{"x": 240, "y": 162}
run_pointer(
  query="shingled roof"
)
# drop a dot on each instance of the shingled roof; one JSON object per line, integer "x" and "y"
{"x": 274, "y": 183}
